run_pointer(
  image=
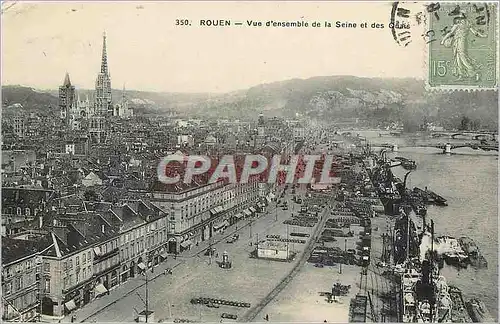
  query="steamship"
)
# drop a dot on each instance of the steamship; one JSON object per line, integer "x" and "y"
{"x": 425, "y": 297}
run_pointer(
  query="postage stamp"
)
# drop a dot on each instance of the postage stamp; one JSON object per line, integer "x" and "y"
{"x": 462, "y": 46}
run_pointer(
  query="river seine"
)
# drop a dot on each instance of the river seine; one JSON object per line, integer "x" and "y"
{"x": 468, "y": 179}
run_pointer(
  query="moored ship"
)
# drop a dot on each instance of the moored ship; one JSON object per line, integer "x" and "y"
{"x": 430, "y": 197}
{"x": 407, "y": 164}
{"x": 475, "y": 257}
{"x": 459, "y": 312}
{"x": 478, "y": 311}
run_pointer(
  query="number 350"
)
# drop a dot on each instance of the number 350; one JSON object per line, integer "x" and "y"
{"x": 182, "y": 22}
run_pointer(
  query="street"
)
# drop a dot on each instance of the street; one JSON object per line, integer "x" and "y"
{"x": 195, "y": 275}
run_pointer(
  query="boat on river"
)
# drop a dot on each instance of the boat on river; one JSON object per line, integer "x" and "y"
{"x": 430, "y": 197}
{"x": 470, "y": 247}
{"x": 478, "y": 311}
{"x": 459, "y": 313}
{"x": 407, "y": 164}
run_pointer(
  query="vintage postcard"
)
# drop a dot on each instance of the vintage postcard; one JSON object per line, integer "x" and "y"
{"x": 247, "y": 161}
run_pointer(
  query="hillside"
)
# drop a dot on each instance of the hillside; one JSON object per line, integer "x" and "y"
{"x": 141, "y": 101}
{"x": 29, "y": 98}
{"x": 328, "y": 98}
{"x": 378, "y": 100}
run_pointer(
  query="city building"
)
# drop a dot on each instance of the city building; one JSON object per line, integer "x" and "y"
{"x": 142, "y": 230}
{"x": 122, "y": 109}
{"x": 196, "y": 212}
{"x": 274, "y": 250}
{"x": 185, "y": 140}
{"x": 16, "y": 122}
{"x": 21, "y": 278}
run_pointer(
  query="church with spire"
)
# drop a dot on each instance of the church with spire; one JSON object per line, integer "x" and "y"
{"x": 92, "y": 113}
{"x": 103, "y": 97}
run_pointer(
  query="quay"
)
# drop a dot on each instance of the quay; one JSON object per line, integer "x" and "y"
{"x": 357, "y": 250}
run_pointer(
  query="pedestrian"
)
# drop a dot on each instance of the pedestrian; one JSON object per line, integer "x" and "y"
{"x": 267, "y": 317}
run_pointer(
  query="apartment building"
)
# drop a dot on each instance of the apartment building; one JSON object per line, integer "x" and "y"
{"x": 196, "y": 212}
{"x": 21, "y": 278}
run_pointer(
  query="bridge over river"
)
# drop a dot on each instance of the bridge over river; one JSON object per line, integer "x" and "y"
{"x": 447, "y": 147}
{"x": 464, "y": 135}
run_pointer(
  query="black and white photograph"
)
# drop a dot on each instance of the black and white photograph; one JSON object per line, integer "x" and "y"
{"x": 249, "y": 161}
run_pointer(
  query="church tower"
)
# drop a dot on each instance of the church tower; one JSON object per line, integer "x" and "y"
{"x": 103, "y": 106}
{"x": 260, "y": 139}
{"x": 103, "y": 97}
{"x": 66, "y": 100}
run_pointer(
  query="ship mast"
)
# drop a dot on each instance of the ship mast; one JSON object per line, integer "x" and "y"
{"x": 407, "y": 236}
{"x": 408, "y": 219}
{"x": 431, "y": 261}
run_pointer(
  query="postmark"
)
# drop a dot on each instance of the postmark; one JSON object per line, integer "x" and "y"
{"x": 462, "y": 46}
{"x": 401, "y": 22}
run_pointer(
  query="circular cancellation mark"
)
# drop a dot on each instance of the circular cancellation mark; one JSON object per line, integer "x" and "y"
{"x": 404, "y": 14}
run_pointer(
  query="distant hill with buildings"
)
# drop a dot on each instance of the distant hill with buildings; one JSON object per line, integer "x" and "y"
{"x": 378, "y": 100}
{"x": 26, "y": 98}
{"x": 21, "y": 97}
{"x": 325, "y": 98}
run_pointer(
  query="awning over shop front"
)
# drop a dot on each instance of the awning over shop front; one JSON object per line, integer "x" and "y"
{"x": 261, "y": 205}
{"x": 225, "y": 223}
{"x": 164, "y": 255}
{"x": 247, "y": 212}
{"x": 216, "y": 210}
{"x": 239, "y": 215}
{"x": 185, "y": 244}
{"x": 100, "y": 289}
{"x": 97, "y": 250}
{"x": 141, "y": 266}
{"x": 70, "y": 305}
{"x": 252, "y": 209}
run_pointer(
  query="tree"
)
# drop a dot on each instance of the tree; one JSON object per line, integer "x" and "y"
{"x": 465, "y": 123}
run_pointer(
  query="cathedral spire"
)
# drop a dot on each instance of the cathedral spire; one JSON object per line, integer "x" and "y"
{"x": 104, "y": 61}
{"x": 67, "y": 82}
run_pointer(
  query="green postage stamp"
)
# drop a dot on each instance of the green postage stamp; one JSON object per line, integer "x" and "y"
{"x": 462, "y": 40}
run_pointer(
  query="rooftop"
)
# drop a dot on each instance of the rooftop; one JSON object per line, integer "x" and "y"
{"x": 15, "y": 249}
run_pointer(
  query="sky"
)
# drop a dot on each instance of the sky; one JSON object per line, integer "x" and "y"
{"x": 41, "y": 41}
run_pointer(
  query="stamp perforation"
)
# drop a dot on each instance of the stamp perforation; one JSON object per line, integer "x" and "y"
{"x": 494, "y": 9}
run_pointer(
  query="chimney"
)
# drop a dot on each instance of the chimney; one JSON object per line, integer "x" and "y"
{"x": 40, "y": 221}
{"x": 102, "y": 228}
